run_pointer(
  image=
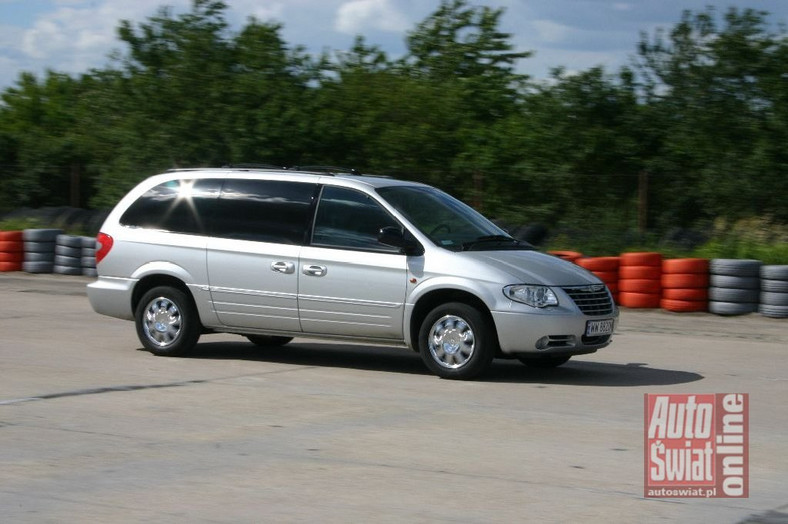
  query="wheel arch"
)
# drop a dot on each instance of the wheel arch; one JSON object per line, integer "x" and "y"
{"x": 434, "y": 298}
{"x": 149, "y": 282}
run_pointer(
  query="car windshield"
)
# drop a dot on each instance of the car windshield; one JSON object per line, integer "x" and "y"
{"x": 448, "y": 222}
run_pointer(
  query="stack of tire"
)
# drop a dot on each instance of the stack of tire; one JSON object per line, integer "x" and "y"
{"x": 639, "y": 280}
{"x": 68, "y": 255}
{"x": 88, "y": 258}
{"x": 605, "y": 268}
{"x": 12, "y": 249}
{"x": 40, "y": 250}
{"x": 685, "y": 283}
{"x": 734, "y": 286}
{"x": 774, "y": 292}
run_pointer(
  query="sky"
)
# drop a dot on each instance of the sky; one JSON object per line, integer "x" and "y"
{"x": 73, "y": 36}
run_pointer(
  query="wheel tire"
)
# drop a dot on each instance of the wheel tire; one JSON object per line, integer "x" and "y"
{"x": 66, "y": 270}
{"x": 37, "y": 267}
{"x": 456, "y": 341}
{"x": 735, "y": 267}
{"x": 167, "y": 322}
{"x": 11, "y": 236}
{"x": 639, "y": 285}
{"x": 685, "y": 280}
{"x": 39, "y": 247}
{"x": 41, "y": 235}
{"x": 689, "y": 294}
{"x": 685, "y": 265}
{"x": 68, "y": 251}
{"x": 773, "y": 311}
{"x": 683, "y": 306}
{"x": 11, "y": 246}
{"x": 639, "y": 300}
{"x": 729, "y": 281}
{"x": 544, "y": 362}
{"x": 10, "y": 266}
{"x": 88, "y": 242}
{"x": 15, "y": 256}
{"x": 69, "y": 241}
{"x": 774, "y": 272}
{"x": 723, "y": 294}
{"x": 31, "y": 256}
{"x": 774, "y": 299}
{"x": 599, "y": 264}
{"x": 641, "y": 259}
{"x": 62, "y": 260}
{"x": 774, "y": 286}
{"x": 732, "y": 308}
{"x": 268, "y": 340}
{"x": 640, "y": 272}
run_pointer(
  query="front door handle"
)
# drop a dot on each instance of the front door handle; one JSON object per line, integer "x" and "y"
{"x": 283, "y": 267}
{"x": 315, "y": 271}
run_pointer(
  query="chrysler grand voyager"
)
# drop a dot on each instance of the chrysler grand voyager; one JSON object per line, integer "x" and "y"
{"x": 273, "y": 254}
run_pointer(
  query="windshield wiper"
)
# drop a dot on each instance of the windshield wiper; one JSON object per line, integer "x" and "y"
{"x": 498, "y": 239}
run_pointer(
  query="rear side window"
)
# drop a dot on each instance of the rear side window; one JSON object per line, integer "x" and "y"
{"x": 264, "y": 211}
{"x": 350, "y": 219}
{"x": 180, "y": 206}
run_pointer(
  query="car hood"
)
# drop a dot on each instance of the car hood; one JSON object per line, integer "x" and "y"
{"x": 533, "y": 267}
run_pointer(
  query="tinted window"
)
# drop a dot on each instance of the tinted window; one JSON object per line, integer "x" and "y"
{"x": 350, "y": 219}
{"x": 180, "y": 206}
{"x": 264, "y": 210}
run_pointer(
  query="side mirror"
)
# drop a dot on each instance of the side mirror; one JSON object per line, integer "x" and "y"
{"x": 396, "y": 237}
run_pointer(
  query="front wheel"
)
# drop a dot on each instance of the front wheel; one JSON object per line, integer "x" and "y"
{"x": 167, "y": 322}
{"x": 456, "y": 341}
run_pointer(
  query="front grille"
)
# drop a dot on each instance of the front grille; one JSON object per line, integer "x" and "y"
{"x": 592, "y": 300}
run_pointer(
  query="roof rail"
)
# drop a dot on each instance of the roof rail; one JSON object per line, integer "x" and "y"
{"x": 251, "y": 165}
{"x": 329, "y": 170}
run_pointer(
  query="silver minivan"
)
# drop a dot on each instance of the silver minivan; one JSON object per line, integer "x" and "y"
{"x": 273, "y": 254}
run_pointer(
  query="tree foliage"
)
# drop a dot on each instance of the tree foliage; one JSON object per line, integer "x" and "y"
{"x": 703, "y": 112}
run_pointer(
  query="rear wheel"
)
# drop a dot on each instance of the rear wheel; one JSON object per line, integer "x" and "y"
{"x": 456, "y": 341}
{"x": 167, "y": 322}
{"x": 544, "y": 362}
{"x": 268, "y": 340}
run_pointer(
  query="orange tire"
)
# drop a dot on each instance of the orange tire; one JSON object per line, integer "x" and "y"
{"x": 640, "y": 272}
{"x": 699, "y": 294}
{"x": 685, "y": 265}
{"x": 685, "y": 280}
{"x": 595, "y": 264}
{"x": 639, "y": 285}
{"x": 11, "y": 257}
{"x": 12, "y": 246}
{"x": 10, "y": 236}
{"x": 639, "y": 300}
{"x": 613, "y": 287}
{"x": 683, "y": 306}
{"x": 567, "y": 255}
{"x": 10, "y": 266}
{"x": 641, "y": 259}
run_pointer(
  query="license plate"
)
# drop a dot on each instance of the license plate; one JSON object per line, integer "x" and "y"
{"x": 594, "y": 328}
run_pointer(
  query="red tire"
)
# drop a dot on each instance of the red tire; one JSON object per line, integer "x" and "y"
{"x": 10, "y": 266}
{"x": 613, "y": 287}
{"x": 683, "y": 306}
{"x": 11, "y": 236}
{"x": 595, "y": 264}
{"x": 639, "y": 300}
{"x": 11, "y": 246}
{"x": 606, "y": 276}
{"x": 641, "y": 259}
{"x": 640, "y": 272}
{"x": 691, "y": 294}
{"x": 685, "y": 280}
{"x": 639, "y": 286}
{"x": 12, "y": 257}
{"x": 685, "y": 265}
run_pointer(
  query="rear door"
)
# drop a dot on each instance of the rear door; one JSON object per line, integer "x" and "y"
{"x": 350, "y": 284}
{"x": 259, "y": 227}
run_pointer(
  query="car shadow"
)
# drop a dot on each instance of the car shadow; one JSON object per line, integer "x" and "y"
{"x": 580, "y": 371}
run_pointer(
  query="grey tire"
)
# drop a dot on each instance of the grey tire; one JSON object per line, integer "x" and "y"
{"x": 62, "y": 260}
{"x": 773, "y": 311}
{"x": 729, "y": 281}
{"x": 735, "y": 267}
{"x": 41, "y": 235}
{"x": 775, "y": 272}
{"x": 89, "y": 242}
{"x": 167, "y": 322}
{"x": 544, "y": 362}
{"x": 774, "y": 286}
{"x": 88, "y": 261}
{"x": 457, "y": 341}
{"x": 732, "y": 308}
{"x": 37, "y": 267}
{"x": 774, "y": 299}
{"x": 268, "y": 340}
{"x": 88, "y": 252}
{"x": 67, "y": 270}
{"x": 39, "y": 247}
{"x": 68, "y": 251}
{"x": 31, "y": 256}
{"x": 69, "y": 241}
{"x": 89, "y": 271}
{"x": 725, "y": 294}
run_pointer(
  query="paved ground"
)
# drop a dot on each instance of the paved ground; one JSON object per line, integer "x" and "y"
{"x": 92, "y": 429}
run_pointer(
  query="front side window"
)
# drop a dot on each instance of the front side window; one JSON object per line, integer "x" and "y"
{"x": 264, "y": 211}
{"x": 179, "y": 206}
{"x": 350, "y": 219}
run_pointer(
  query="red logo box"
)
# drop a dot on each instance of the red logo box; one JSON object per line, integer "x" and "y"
{"x": 696, "y": 445}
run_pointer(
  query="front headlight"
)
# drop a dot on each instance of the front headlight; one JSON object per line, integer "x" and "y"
{"x": 533, "y": 295}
